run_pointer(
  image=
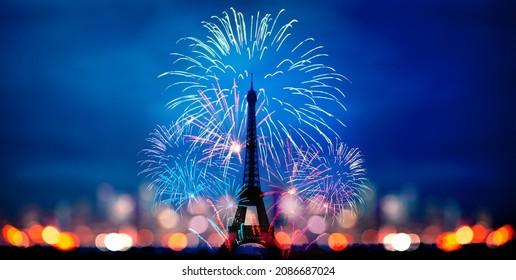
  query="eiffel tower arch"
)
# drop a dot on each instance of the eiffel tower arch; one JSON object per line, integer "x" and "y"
{"x": 252, "y": 196}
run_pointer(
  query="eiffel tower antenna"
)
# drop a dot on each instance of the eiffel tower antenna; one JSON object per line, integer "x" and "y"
{"x": 252, "y": 195}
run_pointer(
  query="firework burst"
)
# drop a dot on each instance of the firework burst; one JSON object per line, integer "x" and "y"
{"x": 344, "y": 184}
{"x": 307, "y": 167}
{"x": 176, "y": 178}
{"x": 294, "y": 82}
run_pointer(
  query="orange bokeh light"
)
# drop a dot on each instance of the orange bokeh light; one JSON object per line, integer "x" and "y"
{"x": 479, "y": 233}
{"x": 337, "y": 241}
{"x": 506, "y": 232}
{"x": 177, "y": 241}
{"x": 447, "y": 241}
{"x": 499, "y": 236}
{"x": 15, "y": 237}
{"x": 282, "y": 240}
{"x": 35, "y": 233}
{"x": 6, "y": 231}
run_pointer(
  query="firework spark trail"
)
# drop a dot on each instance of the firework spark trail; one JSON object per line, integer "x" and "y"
{"x": 201, "y": 238}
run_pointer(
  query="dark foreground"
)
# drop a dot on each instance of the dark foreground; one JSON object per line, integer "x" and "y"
{"x": 354, "y": 252}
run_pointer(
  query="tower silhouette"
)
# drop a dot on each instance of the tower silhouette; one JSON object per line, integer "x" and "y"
{"x": 252, "y": 195}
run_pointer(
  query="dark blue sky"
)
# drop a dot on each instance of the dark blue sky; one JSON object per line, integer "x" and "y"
{"x": 431, "y": 101}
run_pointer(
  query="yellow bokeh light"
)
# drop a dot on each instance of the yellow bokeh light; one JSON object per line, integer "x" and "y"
{"x": 464, "y": 235}
{"x": 18, "y": 238}
{"x": 282, "y": 240}
{"x": 337, "y": 241}
{"x": 50, "y": 235}
{"x": 67, "y": 241}
{"x": 177, "y": 241}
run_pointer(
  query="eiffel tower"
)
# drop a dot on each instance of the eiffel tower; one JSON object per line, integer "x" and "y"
{"x": 252, "y": 196}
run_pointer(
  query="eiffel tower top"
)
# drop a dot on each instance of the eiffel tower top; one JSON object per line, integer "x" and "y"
{"x": 251, "y": 94}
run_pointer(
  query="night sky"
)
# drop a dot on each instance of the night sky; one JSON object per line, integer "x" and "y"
{"x": 431, "y": 103}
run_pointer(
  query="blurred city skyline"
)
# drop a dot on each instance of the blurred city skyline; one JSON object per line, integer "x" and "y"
{"x": 431, "y": 103}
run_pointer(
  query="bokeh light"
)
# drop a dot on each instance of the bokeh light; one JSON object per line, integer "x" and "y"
{"x": 122, "y": 208}
{"x": 316, "y": 224}
{"x": 387, "y": 242}
{"x": 193, "y": 240}
{"x": 67, "y": 241}
{"x": 145, "y": 237}
{"x": 177, "y": 241}
{"x": 370, "y": 236}
{"x": 282, "y": 240}
{"x": 430, "y": 234}
{"x": 99, "y": 242}
{"x": 337, "y": 241}
{"x": 199, "y": 224}
{"x": 50, "y": 235}
{"x": 415, "y": 241}
{"x": 447, "y": 241}
{"x": 464, "y": 235}
{"x": 499, "y": 237}
{"x": 35, "y": 233}
{"x": 347, "y": 219}
{"x": 85, "y": 235}
{"x": 479, "y": 233}
{"x": 400, "y": 241}
{"x": 117, "y": 241}
{"x": 167, "y": 218}
{"x": 215, "y": 240}
{"x": 15, "y": 237}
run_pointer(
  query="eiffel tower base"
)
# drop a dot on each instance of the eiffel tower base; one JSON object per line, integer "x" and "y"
{"x": 248, "y": 235}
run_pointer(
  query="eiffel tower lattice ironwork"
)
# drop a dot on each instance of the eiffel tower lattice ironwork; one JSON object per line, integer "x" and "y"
{"x": 252, "y": 195}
